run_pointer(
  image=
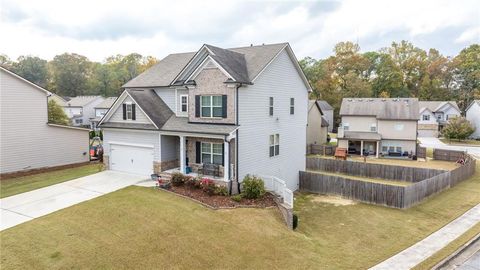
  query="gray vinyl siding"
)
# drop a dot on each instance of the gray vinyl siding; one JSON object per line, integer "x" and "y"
{"x": 131, "y": 137}
{"x": 26, "y": 141}
{"x": 89, "y": 110}
{"x": 168, "y": 96}
{"x": 117, "y": 116}
{"x": 281, "y": 81}
{"x": 328, "y": 115}
{"x": 170, "y": 148}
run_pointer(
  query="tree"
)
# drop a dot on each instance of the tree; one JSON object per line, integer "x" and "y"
{"x": 458, "y": 128}
{"x": 5, "y": 62}
{"x": 56, "y": 115}
{"x": 33, "y": 69}
{"x": 467, "y": 75}
{"x": 70, "y": 73}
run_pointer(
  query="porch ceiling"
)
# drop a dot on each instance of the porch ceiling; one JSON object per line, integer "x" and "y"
{"x": 181, "y": 124}
{"x": 358, "y": 135}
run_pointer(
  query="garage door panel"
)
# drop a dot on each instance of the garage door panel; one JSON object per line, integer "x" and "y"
{"x": 131, "y": 159}
{"x": 427, "y": 133}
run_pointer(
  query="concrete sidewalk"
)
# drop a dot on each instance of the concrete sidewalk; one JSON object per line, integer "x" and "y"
{"x": 419, "y": 252}
{"x": 26, "y": 206}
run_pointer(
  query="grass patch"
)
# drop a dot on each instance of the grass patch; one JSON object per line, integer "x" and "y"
{"x": 145, "y": 228}
{"x": 459, "y": 142}
{"x": 449, "y": 249}
{"x": 22, "y": 184}
{"x": 332, "y": 135}
{"x": 365, "y": 179}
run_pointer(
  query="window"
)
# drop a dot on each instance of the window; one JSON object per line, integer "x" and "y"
{"x": 373, "y": 128}
{"x": 426, "y": 117}
{"x": 211, "y": 106}
{"x": 271, "y": 106}
{"x": 79, "y": 121}
{"x": 274, "y": 145}
{"x": 439, "y": 117}
{"x": 398, "y": 127}
{"x": 384, "y": 149}
{"x": 292, "y": 106}
{"x": 129, "y": 111}
{"x": 184, "y": 103}
{"x": 399, "y": 149}
{"x": 346, "y": 126}
{"x": 212, "y": 153}
{"x": 391, "y": 149}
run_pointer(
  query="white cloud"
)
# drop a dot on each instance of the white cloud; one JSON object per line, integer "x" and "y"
{"x": 98, "y": 29}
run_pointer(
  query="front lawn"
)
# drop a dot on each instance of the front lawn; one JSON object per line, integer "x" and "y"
{"x": 12, "y": 186}
{"x": 461, "y": 143}
{"x": 145, "y": 228}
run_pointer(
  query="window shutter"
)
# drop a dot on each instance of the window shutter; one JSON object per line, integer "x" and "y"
{"x": 197, "y": 106}
{"x": 198, "y": 148}
{"x": 124, "y": 111}
{"x": 224, "y": 106}
{"x": 133, "y": 112}
{"x": 223, "y": 153}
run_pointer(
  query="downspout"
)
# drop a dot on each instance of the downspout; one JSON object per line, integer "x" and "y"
{"x": 236, "y": 139}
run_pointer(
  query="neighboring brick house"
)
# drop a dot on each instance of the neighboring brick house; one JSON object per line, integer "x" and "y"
{"x": 434, "y": 115}
{"x": 379, "y": 126}
{"x": 244, "y": 110}
{"x": 473, "y": 115}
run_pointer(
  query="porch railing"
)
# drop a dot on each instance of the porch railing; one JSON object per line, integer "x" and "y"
{"x": 278, "y": 187}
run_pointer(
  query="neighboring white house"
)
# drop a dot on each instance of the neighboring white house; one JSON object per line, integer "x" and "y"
{"x": 327, "y": 111}
{"x": 27, "y": 140}
{"x": 473, "y": 115}
{"x": 317, "y": 124}
{"x": 81, "y": 109}
{"x": 434, "y": 115}
{"x": 58, "y": 99}
{"x": 226, "y": 112}
{"x": 100, "y": 110}
{"x": 375, "y": 126}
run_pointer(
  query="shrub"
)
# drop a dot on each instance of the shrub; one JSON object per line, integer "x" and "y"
{"x": 221, "y": 190}
{"x": 458, "y": 128}
{"x": 253, "y": 187}
{"x": 91, "y": 134}
{"x": 237, "y": 197}
{"x": 208, "y": 186}
{"x": 178, "y": 179}
{"x": 295, "y": 221}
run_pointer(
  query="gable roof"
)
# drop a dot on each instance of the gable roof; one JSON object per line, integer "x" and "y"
{"x": 106, "y": 104}
{"x": 434, "y": 106}
{"x": 80, "y": 101}
{"x": 314, "y": 103}
{"x": 152, "y": 105}
{"x": 243, "y": 63}
{"x": 324, "y": 122}
{"x": 381, "y": 108}
{"x": 477, "y": 101}
{"x": 324, "y": 105}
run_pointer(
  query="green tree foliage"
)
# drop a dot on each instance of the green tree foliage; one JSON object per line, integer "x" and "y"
{"x": 33, "y": 69}
{"x": 56, "y": 115}
{"x": 467, "y": 75}
{"x": 458, "y": 128}
{"x": 70, "y": 74}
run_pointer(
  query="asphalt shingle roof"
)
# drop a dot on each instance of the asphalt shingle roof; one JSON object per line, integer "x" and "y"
{"x": 81, "y": 101}
{"x": 381, "y": 108}
{"x": 324, "y": 105}
{"x": 434, "y": 106}
{"x": 107, "y": 103}
{"x": 152, "y": 105}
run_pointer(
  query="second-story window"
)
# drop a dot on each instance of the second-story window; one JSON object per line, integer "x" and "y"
{"x": 270, "y": 107}
{"x": 346, "y": 126}
{"x": 373, "y": 128}
{"x": 129, "y": 111}
{"x": 211, "y": 106}
{"x": 292, "y": 106}
{"x": 426, "y": 117}
{"x": 184, "y": 103}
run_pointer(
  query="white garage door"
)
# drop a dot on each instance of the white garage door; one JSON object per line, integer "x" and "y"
{"x": 131, "y": 159}
{"x": 427, "y": 133}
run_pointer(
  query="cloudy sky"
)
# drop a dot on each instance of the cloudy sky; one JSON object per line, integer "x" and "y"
{"x": 99, "y": 28}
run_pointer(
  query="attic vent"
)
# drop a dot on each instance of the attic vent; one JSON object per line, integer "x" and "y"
{"x": 350, "y": 99}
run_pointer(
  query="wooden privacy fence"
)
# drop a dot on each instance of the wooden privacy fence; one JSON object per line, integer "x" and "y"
{"x": 317, "y": 149}
{"x": 448, "y": 155}
{"x": 421, "y": 152}
{"x": 377, "y": 193}
{"x": 389, "y": 172}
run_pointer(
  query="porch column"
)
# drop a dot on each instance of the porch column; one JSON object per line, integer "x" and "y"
{"x": 361, "y": 148}
{"x": 182, "y": 154}
{"x": 226, "y": 161}
{"x": 378, "y": 149}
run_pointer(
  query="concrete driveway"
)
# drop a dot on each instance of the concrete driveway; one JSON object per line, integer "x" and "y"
{"x": 432, "y": 142}
{"x": 36, "y": 203}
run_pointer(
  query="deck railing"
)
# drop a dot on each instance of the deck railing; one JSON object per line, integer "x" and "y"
{"x": 278, "y": 187}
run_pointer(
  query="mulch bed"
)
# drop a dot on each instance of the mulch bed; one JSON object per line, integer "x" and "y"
{"x": 217, "y": 201}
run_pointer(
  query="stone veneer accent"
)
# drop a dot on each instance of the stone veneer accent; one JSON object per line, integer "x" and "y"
{"x": 191, "y": 152}
{"x": 210, "y": 81}
{"x": 160, "y": 166}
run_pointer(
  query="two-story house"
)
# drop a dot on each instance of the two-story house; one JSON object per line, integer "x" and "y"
{"x": 81, "y": 109}
{"x": 100, "y": 110}
{"x": 379, "y": 126}
{"x": 434, "y": 115}
{"x": 241, "y": 110}
{"x": 472, "y": 113}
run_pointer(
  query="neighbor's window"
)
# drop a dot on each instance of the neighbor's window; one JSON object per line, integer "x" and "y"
{"x": 211, "y": 106}
{"x": 292, "y": 105}
{"x": 399, "y": 127}
{"x": 346, "y": 126}
{"x": 384, "y": 149}
{"x": 212, "y": 153}
{"x": 426, "y": 117}
{"x": 391, "y": 149}
{"x": 399, "y": 149}
{"x": 79, "y": 121}
{"x": 274, "y": 145}
{"x": 184, "y": 103}
{"x": 129, "y": 111}
{"x": 373, "y": 128}
{"x": 271, "y": 106}
{"x": 439, "y": 117}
